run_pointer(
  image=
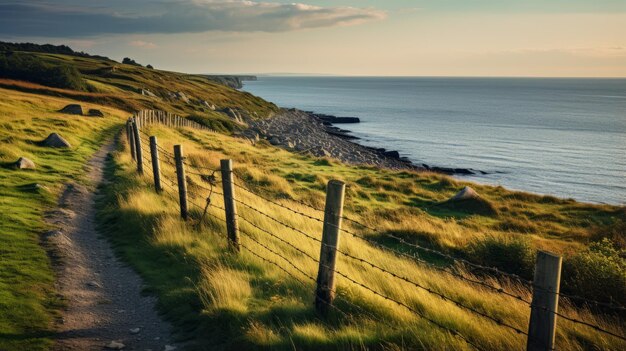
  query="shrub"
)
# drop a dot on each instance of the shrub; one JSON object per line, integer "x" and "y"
{"x": 31, "y": 68}
{"x": 598, "y": 273}
{"x": 510, "y": 254}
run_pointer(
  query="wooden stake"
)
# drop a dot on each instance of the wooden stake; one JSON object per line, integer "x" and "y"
{"x": 182, "y": 181}
{"x": 156, "y": 165}
{"x": 325, "y": 292}
{"x": 138, "y": 150}
{"x": 232, "y": 227}
{"x": 545, "y": 302}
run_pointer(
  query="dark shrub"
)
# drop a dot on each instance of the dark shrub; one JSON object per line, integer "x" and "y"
{"x": 513, "y": 255}
{"x": 598, "y": 273}
{"x": 31, "y": 68}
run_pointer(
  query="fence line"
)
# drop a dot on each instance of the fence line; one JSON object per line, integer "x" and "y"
{"x": 543, "y": 317}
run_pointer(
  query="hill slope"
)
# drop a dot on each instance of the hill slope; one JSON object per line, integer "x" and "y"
{"x": 245, "y": 302}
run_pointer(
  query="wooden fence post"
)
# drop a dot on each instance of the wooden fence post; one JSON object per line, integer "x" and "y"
{"x": 131, "y": 138}
{"x": 156, "y": 166}
{"x": 545, "y": 302}
{"x": 182, "y": 181}
{"x": 138, "y": 150}
{"x": 325, "y": 291}
{"x": 232, "y": 227}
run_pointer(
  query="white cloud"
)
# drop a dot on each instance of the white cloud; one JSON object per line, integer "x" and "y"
{"x": 69, "y": 18}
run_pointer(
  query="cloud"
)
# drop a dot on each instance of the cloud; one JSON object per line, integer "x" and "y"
{"x": 85, "y": 19}
{"x": 143, "y": 44}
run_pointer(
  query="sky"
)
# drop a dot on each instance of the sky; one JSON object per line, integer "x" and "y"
{"x": 535, "y": 38}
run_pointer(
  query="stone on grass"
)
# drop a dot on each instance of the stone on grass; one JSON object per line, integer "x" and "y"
{"x": 72, "y": 109}
{"x": 114, "y": 345}
{"x": 55, "y": 140}
{"x": 24, "y": 163}
{"x": 464, "y": 194}
{"x": 469, "y": 201}
{"x": 95, "y": 113}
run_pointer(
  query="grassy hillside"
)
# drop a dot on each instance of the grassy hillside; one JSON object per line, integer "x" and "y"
{"x": 121, "y": 86}
{"x": 243, "y": 302}
{"x": 218, "y": 299}
{"x": 28, "y": 301}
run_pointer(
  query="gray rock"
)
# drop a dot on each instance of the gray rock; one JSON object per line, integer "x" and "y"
{"x": 135, "y": 330}
{"x": 169, "y": 348}
{"x": 181, "y": 96}
{"x": 95, "y": 113}
{"x": 93, "y": 284}
{"x": 55, "y": 140}
{"x": 72, "y": 109}
{"x": 24, "y": 163}
{"x": 274, "y": 141}
{"x": 291, "y": 144}
{"x": 114, "y": 345}
{"x": 464, "y": 194}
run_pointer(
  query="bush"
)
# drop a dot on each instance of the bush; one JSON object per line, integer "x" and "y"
{"x": 33, "y": 69}
{"x": 513, "y": 255}
{"x": 598, "y": 273}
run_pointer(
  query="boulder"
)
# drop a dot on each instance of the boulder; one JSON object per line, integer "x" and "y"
{"x": 95, "y": 113}
{"x": 275, "y": 141}
{"x": 55, "y": 140}
{"x": 72, "y": 109}
{"x": 24, "y": 163}
{"x": 181, "y": 96}
{"x": 465, "y": 194}
{"x": 469, "y": 201}
{"x": 392, "y": 154}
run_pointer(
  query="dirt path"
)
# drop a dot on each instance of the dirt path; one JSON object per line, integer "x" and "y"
{"x": 104, "y": 298}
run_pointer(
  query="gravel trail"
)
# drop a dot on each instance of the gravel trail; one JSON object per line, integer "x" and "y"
{"x": 105, "y": 307}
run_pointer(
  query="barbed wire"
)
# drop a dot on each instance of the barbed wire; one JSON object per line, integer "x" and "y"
{"x": 404, "y": 242}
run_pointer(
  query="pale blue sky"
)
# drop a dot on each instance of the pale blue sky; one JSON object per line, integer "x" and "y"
{"x": 350, "y": 37}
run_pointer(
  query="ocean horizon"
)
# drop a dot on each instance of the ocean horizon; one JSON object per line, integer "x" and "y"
{"x": 564, "y": 137}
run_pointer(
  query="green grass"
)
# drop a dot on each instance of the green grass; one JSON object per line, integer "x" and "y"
{"x": 241, "y": 302}
{"x": 233, "y": 302}
{"x": 28, "y": 302}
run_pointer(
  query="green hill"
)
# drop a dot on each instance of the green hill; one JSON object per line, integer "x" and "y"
{"x": 218, "y": 300}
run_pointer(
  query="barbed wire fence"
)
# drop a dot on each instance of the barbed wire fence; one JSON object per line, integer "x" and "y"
{"x": 541, "y": 331}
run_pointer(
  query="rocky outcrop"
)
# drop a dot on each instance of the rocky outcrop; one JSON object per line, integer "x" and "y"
{"x": 334, "y": 120}
{"x": 56, "y": 141}
{"x": 24, "y": 163}
{"x": 72, "y": 109}
{"x": 299, "y": 131}
{"x": 95, "y": 113}
{"x": 235, "y": 82}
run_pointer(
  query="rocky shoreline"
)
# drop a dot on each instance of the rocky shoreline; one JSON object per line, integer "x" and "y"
{"x": 316, "y": 134}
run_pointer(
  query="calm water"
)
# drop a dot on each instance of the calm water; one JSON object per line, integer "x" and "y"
{"x": 564, "y": 137}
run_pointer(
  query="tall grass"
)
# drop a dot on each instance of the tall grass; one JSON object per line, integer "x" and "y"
{"x": 243, "y": 302}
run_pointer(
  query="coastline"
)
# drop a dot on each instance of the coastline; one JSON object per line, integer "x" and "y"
{"x": 317, "y": 134}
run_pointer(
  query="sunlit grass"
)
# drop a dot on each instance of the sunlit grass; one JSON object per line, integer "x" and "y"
{"x": 243, "y": 302}
{"x": 28, "y": 302}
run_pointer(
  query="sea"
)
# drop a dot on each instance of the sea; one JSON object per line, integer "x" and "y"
{"x": 564, "y": 137}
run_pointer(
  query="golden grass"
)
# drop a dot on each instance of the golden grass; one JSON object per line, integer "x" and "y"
{"x": 234, "y": 283}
